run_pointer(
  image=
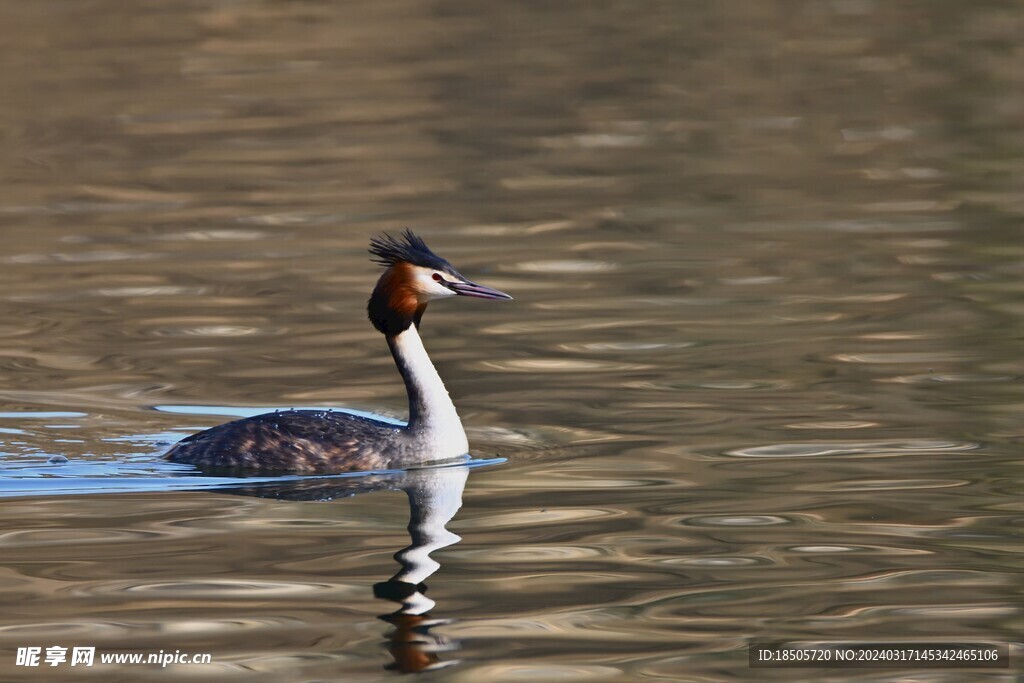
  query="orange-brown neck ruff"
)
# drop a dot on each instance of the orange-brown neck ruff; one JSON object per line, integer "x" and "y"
{"x": 394, "y": 304}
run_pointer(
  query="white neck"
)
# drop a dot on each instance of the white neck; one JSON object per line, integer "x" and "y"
{"x": 432, "y": 416}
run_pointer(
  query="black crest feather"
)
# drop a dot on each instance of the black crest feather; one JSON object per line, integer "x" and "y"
{"x": 407, "y": 248}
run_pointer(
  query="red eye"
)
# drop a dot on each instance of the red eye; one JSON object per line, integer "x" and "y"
{"x": 437, "y": 277}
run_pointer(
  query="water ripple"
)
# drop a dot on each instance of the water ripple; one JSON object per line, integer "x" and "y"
{"x": 863, "y": 549}
{"x": 886, "y": 485}
{"x": 834, "y": 424}
{"x": 958, "y": 378}
{"x": 53, "y": 631}
{"x": 104, "y": 630}
{"x": 861, "y": 448}
{"x": 627, "y": 346}
{"x": 902, "y": 357}
{"x": 156, "y": 290}
{"x": 530, "y": 518}
{"x": 223, "y": 588}
{"x": 42, "y": 415}
{"x": 536, "y": 672}
{"x": 534, "y": 553}
{"x": 216, "y": 330}
{"x": 559, "y": 365}
{"x": 736, "y": 520}
{"x": 716, "y": 562}
{"x": 62, "y": 537}
{"x": 565, "y": 266}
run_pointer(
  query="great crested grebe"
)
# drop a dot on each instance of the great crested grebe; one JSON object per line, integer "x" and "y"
{"x": 325, "y": 441}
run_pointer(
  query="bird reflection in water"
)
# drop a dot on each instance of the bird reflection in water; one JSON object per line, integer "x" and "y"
{"x": 435, "y": 495}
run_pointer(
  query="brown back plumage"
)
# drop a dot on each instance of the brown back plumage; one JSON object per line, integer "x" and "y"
{"x": 311, "y": 441}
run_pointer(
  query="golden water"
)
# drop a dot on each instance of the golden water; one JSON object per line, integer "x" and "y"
{"x": 761, "y": 379}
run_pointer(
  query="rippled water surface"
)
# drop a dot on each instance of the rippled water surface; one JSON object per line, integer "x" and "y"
{"x": 761, "y": 379}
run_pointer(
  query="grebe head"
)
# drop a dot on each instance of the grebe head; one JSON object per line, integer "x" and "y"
{"x": 415, "y": 275}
